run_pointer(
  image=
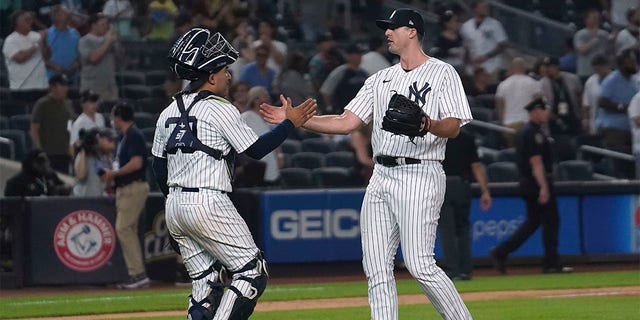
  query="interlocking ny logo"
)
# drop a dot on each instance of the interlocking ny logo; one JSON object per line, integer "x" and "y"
{"x": 419, "y": 95}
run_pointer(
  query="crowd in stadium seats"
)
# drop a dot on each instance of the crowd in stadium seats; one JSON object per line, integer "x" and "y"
{"x": 117, "y": 49}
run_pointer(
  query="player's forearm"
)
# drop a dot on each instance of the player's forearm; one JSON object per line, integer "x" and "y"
{"x": 480, "y": 175}
{"x": 445, "y": 128}
{"x": 333, "y": 124}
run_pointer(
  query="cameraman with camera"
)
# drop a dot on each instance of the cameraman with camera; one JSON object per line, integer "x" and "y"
{"x": 95, "y": 154}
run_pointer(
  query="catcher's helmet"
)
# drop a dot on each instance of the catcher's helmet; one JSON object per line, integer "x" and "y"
{"x": 198, "y": 52}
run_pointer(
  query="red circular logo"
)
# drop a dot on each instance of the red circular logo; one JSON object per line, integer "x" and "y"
{"x": 84, "y": 240}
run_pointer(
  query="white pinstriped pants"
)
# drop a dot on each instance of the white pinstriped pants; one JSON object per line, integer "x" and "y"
{"x": 402, "y": 204}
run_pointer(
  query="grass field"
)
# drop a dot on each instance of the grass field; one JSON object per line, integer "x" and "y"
{"x": 576, "y": 307}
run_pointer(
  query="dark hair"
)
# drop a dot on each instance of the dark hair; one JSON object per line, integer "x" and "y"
{"x": 95, "y": 18}
{"x": 445, "y": 17}
{"x": 123, "y": 110}
{"x": 599, "y": 60}
{"x": 15, "y": 15}
{"x": 624, "y": 55}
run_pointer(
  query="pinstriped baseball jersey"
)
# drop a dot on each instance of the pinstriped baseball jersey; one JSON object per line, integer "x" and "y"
{"x": 402, "y": 203}
{"x": 434, "y": 85}
{"x": 217, "y": 123}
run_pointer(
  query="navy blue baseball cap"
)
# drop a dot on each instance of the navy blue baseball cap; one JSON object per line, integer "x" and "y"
{"x": 403, "y": 17}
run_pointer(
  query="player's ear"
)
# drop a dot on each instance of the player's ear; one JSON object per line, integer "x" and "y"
{"x": 212, "y": 80}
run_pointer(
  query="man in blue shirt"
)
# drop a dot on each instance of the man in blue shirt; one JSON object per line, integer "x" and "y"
{"x": 63, "y": 41}
{"x": 616, "y": 92}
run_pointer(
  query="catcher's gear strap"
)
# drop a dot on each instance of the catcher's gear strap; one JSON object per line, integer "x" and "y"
{"x": 255, "y": 274}
{"x": 183, "y": 136}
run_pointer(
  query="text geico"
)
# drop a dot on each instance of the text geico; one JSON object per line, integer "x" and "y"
{"x": 315, "y": 224}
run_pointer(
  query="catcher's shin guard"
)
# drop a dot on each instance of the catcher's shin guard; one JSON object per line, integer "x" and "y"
{"x": 209, "y": 284}
{"x": 247, "y": 286}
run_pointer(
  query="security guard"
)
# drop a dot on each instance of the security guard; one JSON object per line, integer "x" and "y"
{"x": 536, "y": 187}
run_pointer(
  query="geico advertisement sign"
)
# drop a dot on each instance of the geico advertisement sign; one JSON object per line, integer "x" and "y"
{"x": 315, "y": 224}
{"x": 496, "y": 229}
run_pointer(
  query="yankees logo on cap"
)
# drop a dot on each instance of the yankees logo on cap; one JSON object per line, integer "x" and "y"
{"x": 403, "y": 17}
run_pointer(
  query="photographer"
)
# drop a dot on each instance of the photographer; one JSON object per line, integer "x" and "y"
{"x": 95, "y": 154}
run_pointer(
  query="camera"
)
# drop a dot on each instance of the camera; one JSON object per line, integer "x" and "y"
{"x": 88, "y": 140}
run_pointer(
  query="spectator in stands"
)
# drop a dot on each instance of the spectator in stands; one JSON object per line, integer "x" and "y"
{"x": 617, "y": 10}
{"x": 50, "y": 122}
{"x": 634, "y": 122}
{"x": 63, "y": 43}
{"x": 569, "y": 58}
{"x": 563, "y": 91}
{"x": 89, "y": 118}
{"x": 325, "y": 60}
{"x": 360, "y": 142}
{"x": 344, "y": 82}
{"x": 485, "y": 38}
{"x": 275, "y": 159}
{"x": 616, "y": 91}
{"x": 161, "y": 14}
{"x": 258, "y": 73}
{"x": 591, "y": 93}
{"x": 589, "y": 42}
{"x": 512, "y": 95}
{"x": 539, "y": 70}
{"x": 291, "y": 81}
{"x": 628, "y": 37}
{"x": 481, "y": 83}
{"x": 121, "y": 14}
{"x": 448, "y": 45}
{"x": 277, "y": 49}
{"x": 132, "y": 189}
{"x": 95, "y": 155}
{"x": 243, "y": 42}
{"x": 36, "y": 178}
{"x": 239, "y": 95}
{"x": 461, "y": 165}
{"x": 99, "y": 50}
{"x": 375, "y": 60}
{"x": 25, "y": 51}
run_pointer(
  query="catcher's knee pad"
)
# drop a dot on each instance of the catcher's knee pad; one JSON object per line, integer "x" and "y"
{"x": 248, "y": 284}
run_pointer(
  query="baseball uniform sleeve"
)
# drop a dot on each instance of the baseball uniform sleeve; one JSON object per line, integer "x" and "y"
{"x": 453, "y": 100}
{"x": 160, "y": 136}
{"x": 362, "y": 104}
{"x": 233, "y": 128}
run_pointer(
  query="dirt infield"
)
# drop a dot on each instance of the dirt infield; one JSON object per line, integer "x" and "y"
{"x": 362, "y": 301}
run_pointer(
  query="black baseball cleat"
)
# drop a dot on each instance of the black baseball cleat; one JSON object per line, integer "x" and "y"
{"x": 559, "y": 269}
{"x": 498, "y": 261}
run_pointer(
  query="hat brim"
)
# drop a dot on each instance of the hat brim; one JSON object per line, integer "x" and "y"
{"x": 386, "y": 24}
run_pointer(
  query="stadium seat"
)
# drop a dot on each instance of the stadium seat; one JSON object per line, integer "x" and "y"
{"x": 306, "y": 134}
{"x": 144, "y": 120}
{"x": 321, "y": 145}
{"x": 486, "y": 100}
{"x": 296, "y": 178}
{"x": 128, "y": 77}
{"x": 20, "y": 122}
{"x": 105, "y": 106}
{"x": 307, "y": 160}
{"x": 13, "y": 107}
{"x": 152, "y": 104}
{"x": 575, "y": 170}
{"x": 29, "y": 96}
{"x": 483, "y": 114}
{"x": 135, "y": 91}
{"x": 19, "y": 139}
{"x": 155, "y": 77}
{"x": 508, "y": 154}
{"x": 5, "y": 94}
{"x": 564, "y": 148}
{"x": 291, "y": 146}
{"x": 151, "y": 177}
{"x": 4, "y": 122}
{"x": 333, "y": 177}
{"x": 148, "y": 133}
{"x": 502, "y": 171}
{"x": 487, "y": 155}
{"x": 344, "y": 159}
{"x": 344, "y": 145}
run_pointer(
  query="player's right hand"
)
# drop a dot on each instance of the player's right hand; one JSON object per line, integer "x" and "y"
{"x": 300, "y": 114}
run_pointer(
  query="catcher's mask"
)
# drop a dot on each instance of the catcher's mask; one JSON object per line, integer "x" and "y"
{"x": 199, "y": 52}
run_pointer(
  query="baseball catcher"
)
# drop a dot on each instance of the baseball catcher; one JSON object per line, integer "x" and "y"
{"x": 405, "y": 117}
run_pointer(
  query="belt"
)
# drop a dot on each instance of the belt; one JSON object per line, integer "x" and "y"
{"x": 389, "y": 161}
{"x": 194, "y": 190}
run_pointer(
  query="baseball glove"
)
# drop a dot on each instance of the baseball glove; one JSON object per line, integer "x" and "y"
{"x": 405, "y": 117}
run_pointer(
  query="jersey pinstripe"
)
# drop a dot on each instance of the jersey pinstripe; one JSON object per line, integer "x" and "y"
{"x": 402, "y": 203}
{"x": 218, "y": 125}
{"x": 434, "y": 85}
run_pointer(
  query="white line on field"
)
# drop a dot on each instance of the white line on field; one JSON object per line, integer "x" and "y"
{"x": 130, "y": 297}
{"x": 589, "y": 294}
